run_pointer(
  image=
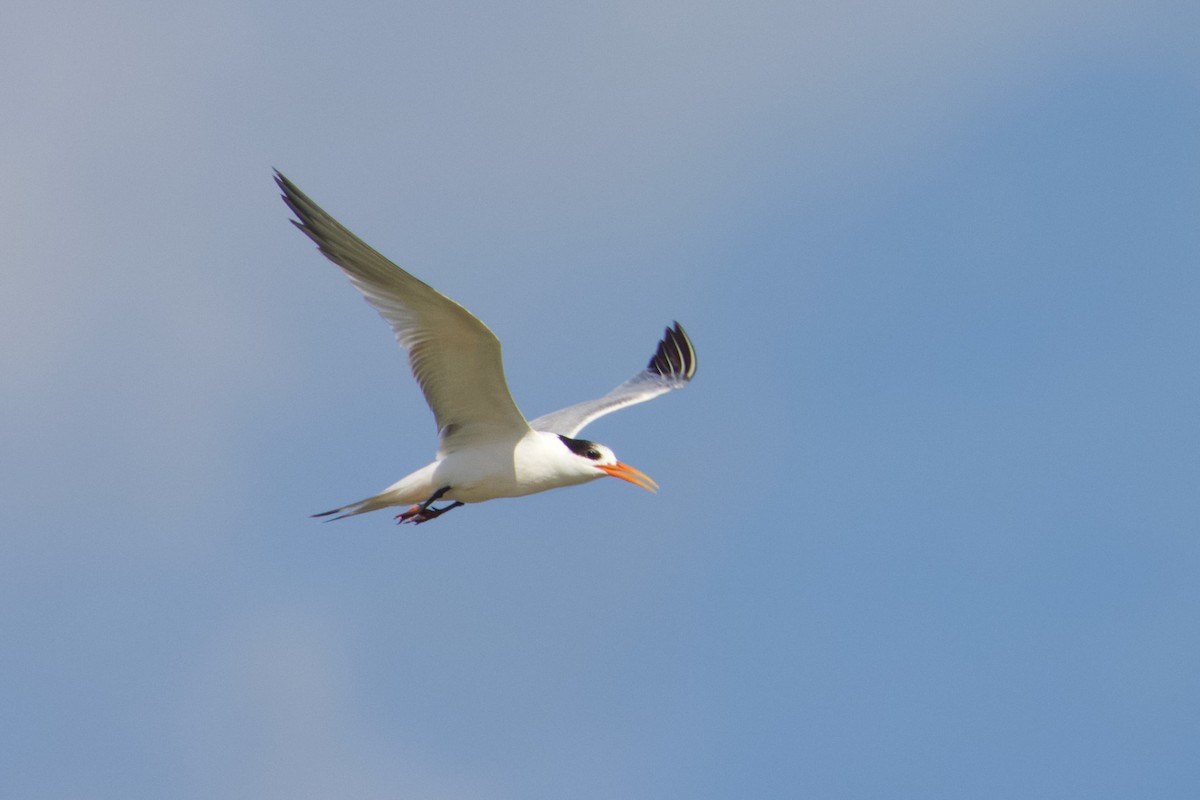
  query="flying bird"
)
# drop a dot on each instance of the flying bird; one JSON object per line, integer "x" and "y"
{"x": 486, "y": 448}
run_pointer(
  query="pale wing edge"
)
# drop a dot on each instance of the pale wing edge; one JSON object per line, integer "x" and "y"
{"x": 671, "y": 367}
{"x": 392, "y": 291}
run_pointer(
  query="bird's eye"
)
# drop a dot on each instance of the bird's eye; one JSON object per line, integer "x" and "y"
{"x": 593, "y": 454}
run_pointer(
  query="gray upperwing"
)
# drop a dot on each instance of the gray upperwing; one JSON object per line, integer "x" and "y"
{"x": 671, "y": 367}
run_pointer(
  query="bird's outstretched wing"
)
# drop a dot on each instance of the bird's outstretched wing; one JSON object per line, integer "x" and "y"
{"x": 454, "y": 357}
{"x": 671, "y": 367}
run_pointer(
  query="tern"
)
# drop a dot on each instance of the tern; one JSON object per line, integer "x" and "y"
{"x": 486, "y": 448}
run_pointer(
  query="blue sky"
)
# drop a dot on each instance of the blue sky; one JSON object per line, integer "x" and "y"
{"x": 928, "y": 518}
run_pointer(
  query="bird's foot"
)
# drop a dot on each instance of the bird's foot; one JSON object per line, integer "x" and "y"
{"x": 415, "y": 515}
{"x": 423, "y": 512}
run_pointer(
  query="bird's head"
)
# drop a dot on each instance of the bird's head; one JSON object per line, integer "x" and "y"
{"x": 596, "y": 456}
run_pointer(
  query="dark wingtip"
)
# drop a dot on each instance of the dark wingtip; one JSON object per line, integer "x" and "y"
{"x": 675, "y": 356}
{"x": 306, "y": 210}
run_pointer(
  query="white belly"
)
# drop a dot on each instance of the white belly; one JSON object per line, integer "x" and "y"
{"x": 533, "y": 464}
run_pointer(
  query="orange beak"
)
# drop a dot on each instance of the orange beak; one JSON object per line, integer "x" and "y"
{"x": 628, "y": 473}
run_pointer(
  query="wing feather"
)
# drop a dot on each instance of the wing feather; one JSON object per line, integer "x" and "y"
{"x": 671, "y": 367}
{"x": 454, "y": 357}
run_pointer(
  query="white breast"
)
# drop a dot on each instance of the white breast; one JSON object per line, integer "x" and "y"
{"x": 534, "y": 463}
